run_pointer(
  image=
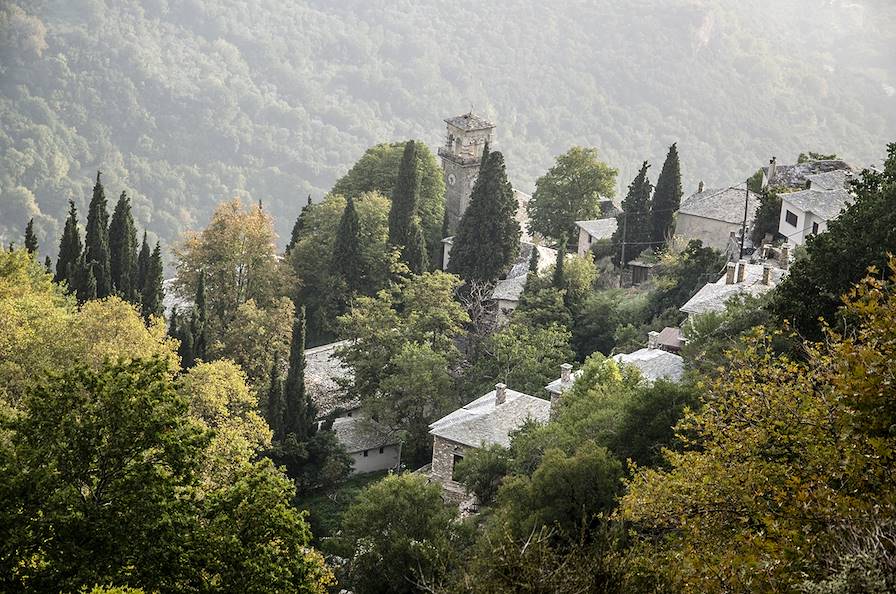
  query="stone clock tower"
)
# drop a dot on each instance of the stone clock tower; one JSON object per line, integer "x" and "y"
{"x": 461, "y": 154}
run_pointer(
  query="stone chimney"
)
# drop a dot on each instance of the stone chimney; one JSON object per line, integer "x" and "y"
{"x": 500, "y": 394}
{"x": 741, "y": 270}
{"x": 700, "y": 186}
{"x": 772, "y": 169}
{"x": 729, "y": 273}
{"x": 652, "y": 342}
{"x": 766, "y": 274}
{"x": 785, "y": 255}
{"x": 565, "y": 373}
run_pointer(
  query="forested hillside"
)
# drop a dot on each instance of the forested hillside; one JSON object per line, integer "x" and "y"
{"x": 185, "y": 103}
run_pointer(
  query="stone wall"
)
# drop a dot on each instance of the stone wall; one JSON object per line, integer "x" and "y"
{"x": 443, "y": 452}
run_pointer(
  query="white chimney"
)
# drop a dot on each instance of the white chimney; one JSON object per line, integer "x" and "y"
{"x": 500, "y": 394}
{"x": 652, "y": 342}
{"x": 785, "y": 255}
{"x": 700, "y": 186}
{"x": 729, "y": 273}
{"x": 772, "y": 169}
{"x": 741, "y": 271}
{"x": 766, "y": 274}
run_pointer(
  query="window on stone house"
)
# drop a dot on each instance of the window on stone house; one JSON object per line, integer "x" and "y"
{"x": 791, "y": 218}
{"x": 382, "y": 450}
{"x": 365, "y": 453}
{"x": 814, "y": 228}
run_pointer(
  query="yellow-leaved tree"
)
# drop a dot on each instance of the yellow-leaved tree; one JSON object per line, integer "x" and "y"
{"x": 790, "y": 461}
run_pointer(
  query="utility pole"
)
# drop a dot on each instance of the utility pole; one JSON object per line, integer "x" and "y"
{"x": 622, "y": 259}
{"x": 743, "y": 228}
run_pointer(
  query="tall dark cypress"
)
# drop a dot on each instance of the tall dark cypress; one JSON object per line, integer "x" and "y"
{"x": 153, "y": 294}
{"x": 487, "y": 241}
{"x": 123, "y": 250}
{"x": 143, "y": 264}
{"x": 558, "y": 280}
{"x": 87, "y": 285}
{"x": 30, "y": 238}
{"x": 403, "y": 209}
{"x": 48, "y": 264}
{"x": 276, "y": 407}
{"x": 300, "y": 410}
{"x": 634, "y": 230}
{"x": 346, "y": 262}
{"x": 70, "y": 251}
{"x": 172, "y": 324}
{"x": 415, "y": 254}
{"x": 185, "y": 351}
{"x": 666, "y": 197}
{"x": 199, "y": 321}
{"x": 96, "y": 240}
{"x": 298, "y": 227}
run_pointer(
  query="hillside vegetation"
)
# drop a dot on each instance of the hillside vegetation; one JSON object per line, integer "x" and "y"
{"x": 185, "y": 103}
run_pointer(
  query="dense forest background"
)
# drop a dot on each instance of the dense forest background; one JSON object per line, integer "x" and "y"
{"x": 184, "y": 103}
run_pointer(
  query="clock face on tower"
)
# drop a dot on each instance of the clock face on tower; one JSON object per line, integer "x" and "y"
{"x": 451, "y": 179}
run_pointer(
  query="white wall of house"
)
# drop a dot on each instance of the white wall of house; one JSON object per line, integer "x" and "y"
{"x": 375, "y": 459}
{"x": 796, "y": 224}
{"x": 712, "y": 232}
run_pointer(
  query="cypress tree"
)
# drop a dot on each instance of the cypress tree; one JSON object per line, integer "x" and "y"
{"x": 142, "y": 265}
{"x": 300, "y": 410}
{"x": 153, "y": 294}
{"x": 48, "y": 264}
{"x": 403, "y": 210}
{"x": 96, "y": 240}
{"x": 558, "y": 280}
{"x": 667, "y": 197}
{"x": 298, "y": 227}
{"x": 30, "y": 239}
{"x": 123, "y": 250}
{"x": 488, "y": 236}
{"x": 87, "y": 286}
{"x": 199, "y": 321}
{"x": 346, "y": 261}
{"x": 533, "y": 259}
{"x": 70, "y": 251}
{"x": 172, "y": 324}
{"x": 185, "y": 351}
{"x": 276, "y": 406}
{"x": 415, "y": 251}
{"x": 634, "y": 220}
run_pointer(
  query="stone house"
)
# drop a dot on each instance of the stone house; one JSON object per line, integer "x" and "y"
{"x": 508, "y": 290}
{"x": 370, "y": 445}
{"x": 653, "y": 362}
{"x": 794, "y": 177}
{"x": 490, "y": 419}
{"x": 593, "y": 231}
{"x": 713, "y": 215}
{"x": 739, "y": 278}
{"x": 807, "y": 212}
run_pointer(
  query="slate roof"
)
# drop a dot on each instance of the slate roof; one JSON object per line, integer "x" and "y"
{"x": 598, "y": 228}
{"x": 654, "y": 364}
{"x": 470, "y": 121}
{"x": 670, "y": 336}
{"x": 724, "y": 204}
{"x": 357, "y": 434}
{"x": 558, "y": 387}
{"x": 322, "y": 368}
{"x": 481, "y": 422}
{"x": 511, "y": 287}
{"x": 826, "y": 204}
{"x": 713, "y": 296}
{"x": 795, "y": 176}
{"x": 831, "y": 180}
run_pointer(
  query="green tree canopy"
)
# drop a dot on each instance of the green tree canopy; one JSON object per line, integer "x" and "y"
{"x": 123, "y": 251}
{"x": 634, "y": 231}
{"x": 487, "y": 241}
{"x": 666, "y": 197}
{"x": 70, "y": 249}
{"x": 96, "y": 240}
{"x": 570, "y": 191}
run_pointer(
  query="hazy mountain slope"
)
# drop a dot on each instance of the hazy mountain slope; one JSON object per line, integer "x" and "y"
{"x": 184, "y": 103}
